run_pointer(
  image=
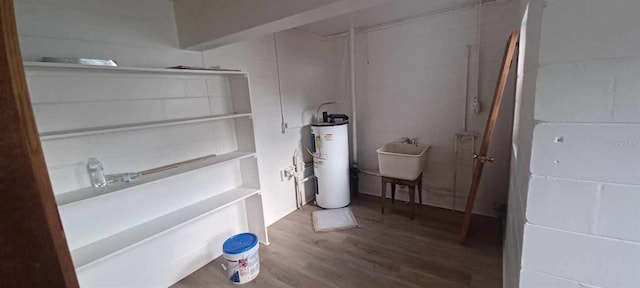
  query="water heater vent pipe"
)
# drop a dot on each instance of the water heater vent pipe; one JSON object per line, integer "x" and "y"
{"x": 318, "y": 118}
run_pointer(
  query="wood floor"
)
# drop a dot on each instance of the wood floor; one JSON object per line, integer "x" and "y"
{"x": 386, "y": 251}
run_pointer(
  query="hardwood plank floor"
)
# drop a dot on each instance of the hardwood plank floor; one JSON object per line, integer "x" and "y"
{"x": 385, "y": 251}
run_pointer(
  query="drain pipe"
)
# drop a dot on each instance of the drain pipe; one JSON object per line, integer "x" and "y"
{"x": 354, "y": 126}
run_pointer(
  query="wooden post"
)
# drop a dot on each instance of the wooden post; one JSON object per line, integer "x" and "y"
{"x": 488, "y": 132}
{"x": 33, "y": 248}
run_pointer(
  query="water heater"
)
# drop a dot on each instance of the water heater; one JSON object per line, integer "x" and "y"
{"x": 331, "y": 161}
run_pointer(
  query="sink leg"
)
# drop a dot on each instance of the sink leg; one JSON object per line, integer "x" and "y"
{"x": 384, "y": 194}
{"x": 412, "y": 199}
{"x": 420, "y": 189}
{"x": 393, "y": 193}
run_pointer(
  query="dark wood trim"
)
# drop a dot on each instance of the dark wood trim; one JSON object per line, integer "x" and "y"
{"x": 33, "y": 248}
{"x": 482, "y": 156}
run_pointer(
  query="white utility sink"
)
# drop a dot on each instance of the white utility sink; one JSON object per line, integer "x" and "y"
{"x": 402, "y": 160}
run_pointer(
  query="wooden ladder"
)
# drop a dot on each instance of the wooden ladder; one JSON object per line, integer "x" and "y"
{"x": 482, "y": 157}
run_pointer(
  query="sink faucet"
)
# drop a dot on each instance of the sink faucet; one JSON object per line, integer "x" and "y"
{"x": 408, "y": 140}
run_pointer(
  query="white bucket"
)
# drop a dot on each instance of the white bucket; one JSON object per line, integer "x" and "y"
{"x": 242, "y": 257}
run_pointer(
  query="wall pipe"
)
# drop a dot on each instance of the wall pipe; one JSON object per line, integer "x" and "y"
{"x": 466, "y": 91}
{"x": 354, "y": 127}
{"x": 477, "y": 105}
{"x": 352, "y": 84}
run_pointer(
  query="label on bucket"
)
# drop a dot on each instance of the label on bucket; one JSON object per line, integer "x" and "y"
{"x": 244, "y": 269}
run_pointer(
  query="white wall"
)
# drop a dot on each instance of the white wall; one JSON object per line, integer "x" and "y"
{"x": 143, "y": 34}
{"x": 411, "y": 82}
{"x": 583, "y": 190}
{"x": 311, "y": 72}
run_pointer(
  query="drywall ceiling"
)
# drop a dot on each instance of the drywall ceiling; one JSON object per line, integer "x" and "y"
{"x": 206, "y": 24}
{"x": 384, "y": 13}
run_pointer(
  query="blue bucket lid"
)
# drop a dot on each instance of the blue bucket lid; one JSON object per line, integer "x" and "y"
{"x": 240, "y": 243}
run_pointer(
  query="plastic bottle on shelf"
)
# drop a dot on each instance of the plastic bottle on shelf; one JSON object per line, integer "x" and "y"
{"x": 122, "y": 177}
{"x": 96, "y": 173}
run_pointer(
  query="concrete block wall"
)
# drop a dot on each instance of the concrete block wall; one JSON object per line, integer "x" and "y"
{"x": 583, "y": 190}
{"x": 523, "y": 127}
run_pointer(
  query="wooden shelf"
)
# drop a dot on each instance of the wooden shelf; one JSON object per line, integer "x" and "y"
{"x": 136, "y": 126}
{"x": 66, "y": 66}
{"x": 73, "y": 197}
{"x": 120, "y": 242}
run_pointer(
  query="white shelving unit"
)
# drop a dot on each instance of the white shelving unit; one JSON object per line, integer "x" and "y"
{"x": 74, "y": 196}
{"x": 163, "y": 226}
{"x": 136, "y": 126}
{"x": 117, "y": 69}
{"x": 119, "y": 243}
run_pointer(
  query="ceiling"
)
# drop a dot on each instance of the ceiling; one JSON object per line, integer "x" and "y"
{"x": 384, "y": 13}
